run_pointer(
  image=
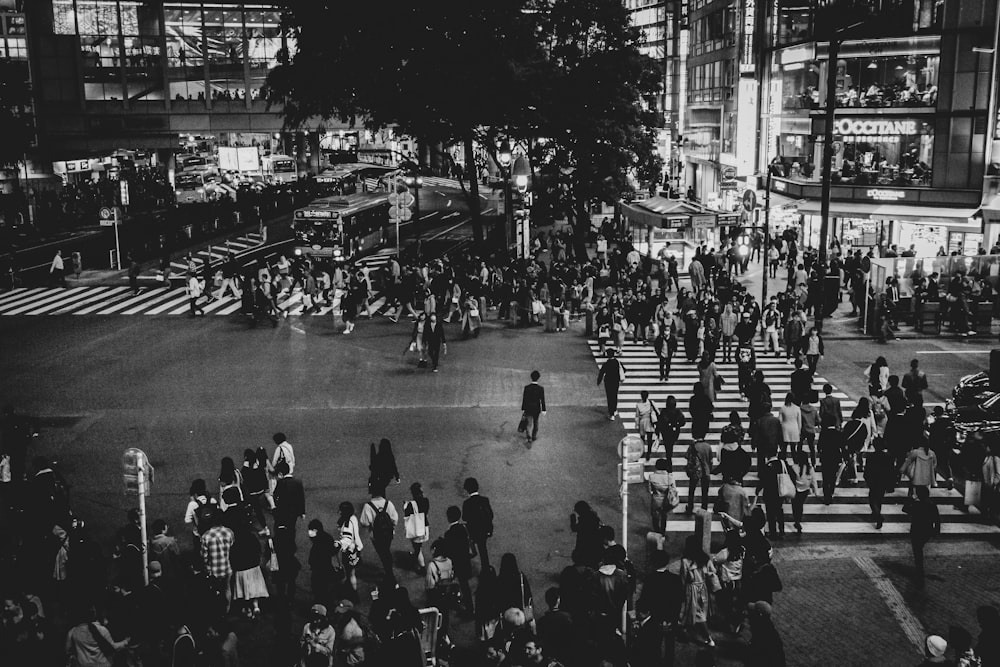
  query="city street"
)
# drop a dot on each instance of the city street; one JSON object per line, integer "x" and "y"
{"x": 189, "y": 392}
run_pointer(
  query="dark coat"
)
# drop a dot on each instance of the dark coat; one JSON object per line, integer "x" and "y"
{"x": 533, "y": 399}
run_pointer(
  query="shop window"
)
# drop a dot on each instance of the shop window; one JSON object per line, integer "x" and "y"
{"x": 800, "y": 86}
{"x": 264, "y": 45}
{"x": 185, "y": 52}
{"x": 794, "y": 21}
{"x": 895, "y": 81}
{"x": 16, "y": 48}
{"x": 224, "y": 39}
{"x": 63, "y": 17}
{"x": 97, "y": 17}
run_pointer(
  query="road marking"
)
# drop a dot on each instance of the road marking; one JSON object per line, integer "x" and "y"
{"x": 912, "y": 628}
{"x": 953, "y": 351}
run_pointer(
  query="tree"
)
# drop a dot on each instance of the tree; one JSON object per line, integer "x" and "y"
{"x": 475, "y": 71}
{"x": 447, "y": 71}
{"x": 15, "y": 113}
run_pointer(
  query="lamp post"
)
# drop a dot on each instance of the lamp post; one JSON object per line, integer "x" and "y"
{"x": 774, "y": 165}
{"x": 504, "y": 156}
{"x": 836, "y": 39}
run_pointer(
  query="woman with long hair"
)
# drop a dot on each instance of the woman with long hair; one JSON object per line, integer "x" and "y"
{"x": 417, "y": 343}
{"x": 254, "y": 473}
{"x": 382, "y": 466}
{"x": 350, "y": 543}
{"x": 708, "y": 376}
{"x": 791, "y": 425}
{"x": 230, "y": 485}
{"x": 249, "y": 584}
{"x": 698, "y": 574}
{"x": 513, "y": 589}
{"x": 586, "y": 524}
{"x": 700, "y": 406}
{"x": 877, "y": 377}
{"x": 418, "y": 528}
{"x": 728, "y": 563}
{"x": 805, "y": 482}
{"x": 487, "y": 607}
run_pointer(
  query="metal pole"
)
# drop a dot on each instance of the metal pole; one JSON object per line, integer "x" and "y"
{"x": 118, "y": 247}
{"x": 767, "y": 238}
{"x": 398, "y": 212}
{"x": 416, "y": 207}
{"x": 824, "y": 230}
{"x": 507, "y": 209}
{"x": 142, "y": 519}
{"x": 624, "y": 493}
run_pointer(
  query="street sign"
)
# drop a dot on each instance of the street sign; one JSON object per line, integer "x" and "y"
{"x": 402, "y": 214}
{"x": 749, "y": 199}
{"x": 133, "y": 461}
{"x": 124, "y": 192}
{"x": 405, "y": 199}
{"x": 106, "y": 213}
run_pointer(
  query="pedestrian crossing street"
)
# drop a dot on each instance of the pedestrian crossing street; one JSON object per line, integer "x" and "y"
{"x": 105, "y": 300}
{"x": 217, "y": 253}
{"x": 848, "y": 514}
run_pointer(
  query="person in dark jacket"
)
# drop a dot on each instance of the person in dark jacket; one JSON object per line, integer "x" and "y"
{"x": 289, "y": 498}
{"x": 766, "y": 647}
{"x": 586, "y": 524}
{"x": 322, "y": 558}
{"x": 880, "y": 474}
{"x": 434, "y": 340}
{"x": 700, "y": 406}
{"x": 767, "y": 487}
{"x": 669, "y": 426}
{"x": 925, "y": 523}
{"x": 478, "y": 515}
{"x": 381, "y": 466}
{"x": 533, "y": 404}
{"x": 458, "y": 547}
{"x": 556, "y": 629}
{"x": 831, "y": 455}
{"x": 660, "y": 600}
{"x": 612, "y": 373}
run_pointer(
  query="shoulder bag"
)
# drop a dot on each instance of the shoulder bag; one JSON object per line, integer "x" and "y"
{"x": 786, "y": 488}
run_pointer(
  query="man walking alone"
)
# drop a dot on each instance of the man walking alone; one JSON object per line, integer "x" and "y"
{"x": 533, "y": 405}
{"x": 613, "y": 374}
{"x": 478, "y": 515}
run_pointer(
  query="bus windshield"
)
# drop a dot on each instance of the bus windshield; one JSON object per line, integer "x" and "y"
{"x": 194, "y": 161}
{"x": 284, "y": 166}
{"x": 188, "y": 181}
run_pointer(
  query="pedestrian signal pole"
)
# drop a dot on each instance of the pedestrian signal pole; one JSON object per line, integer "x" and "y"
{"x": 629, "y": 472}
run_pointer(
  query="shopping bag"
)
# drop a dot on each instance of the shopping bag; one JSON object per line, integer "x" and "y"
{"x": 786, "y": 488}
{"x": 973, "y": 493}
{"x": 522, "y": 425}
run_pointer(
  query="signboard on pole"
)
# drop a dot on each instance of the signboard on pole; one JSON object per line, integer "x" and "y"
{"x": 107, "y": 216}
{"x": 123, "y": 185}
{"x": 138, "y": 477}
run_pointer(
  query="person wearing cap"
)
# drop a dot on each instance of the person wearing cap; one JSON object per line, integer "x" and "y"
{"x": 317, "y": 639}
{"x": 935, "y": 647}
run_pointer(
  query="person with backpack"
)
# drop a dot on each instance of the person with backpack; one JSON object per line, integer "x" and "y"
{"x": 458, "y": 545}
{"x": 441, "y": 585}
{"x": 380, "y": 517}
{"x": 418, "y": 528}
{"x": 478, "y": 515}
{"x": 90, "y": 644}
{"x": 198, "y": 505}
{"x": 668, "y": 426}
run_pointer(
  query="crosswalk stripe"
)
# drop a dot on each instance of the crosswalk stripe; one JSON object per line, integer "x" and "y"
{"x": 167, "y": 305}
{"x": 14, "y": 293}
{"x": 110, "y": 301}
{"x": 101, "y": 298}
{"x": 25, "y": 296}
{"x": 22, "y": 307}
{"x": 62, "y": 303}
{"x": 212, "y": 307}
{"x": 143, "y": 301}
{"x": 231, "y": 308}
{"x": 848, "y": 514}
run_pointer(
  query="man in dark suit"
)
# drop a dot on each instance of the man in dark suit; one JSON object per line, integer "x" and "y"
{"x": 434, "y": 339}
{"x": 612, "y": 373}
{"x": 289, "y": 498}
{"x": 533, "y": 404}
{"x": 830, "y": 405}
{"x": 478, "y": 516}
{"x": 801, "y": 381}
{"x": 458, "y": 548}
{"x": 658, "y": 607}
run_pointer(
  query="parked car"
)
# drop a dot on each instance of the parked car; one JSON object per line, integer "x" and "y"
{"x": 982, "y": 415}
{"x": 970, "y": 387}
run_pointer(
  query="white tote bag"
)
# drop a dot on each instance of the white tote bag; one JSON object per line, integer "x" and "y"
{"x": 414, "y": 521}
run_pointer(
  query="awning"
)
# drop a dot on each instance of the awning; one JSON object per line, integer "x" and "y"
{"x": 990, "y": 210}
{"x": 873, "y": 211}
{"x": 781, "y": 201}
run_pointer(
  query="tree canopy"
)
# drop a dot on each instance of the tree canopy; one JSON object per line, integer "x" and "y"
{"x": 568, "y": 71}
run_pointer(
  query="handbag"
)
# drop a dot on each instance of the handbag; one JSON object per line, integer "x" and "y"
{"x": 714, "y": 584}
{"x": 973, "y": 493}
{"x": 272, "y": 559}
{"x": 719, "y": 380}
{"x": 522, "y": 425}
{"x": 786, "y": 488}
{"x": 414, "y": 522}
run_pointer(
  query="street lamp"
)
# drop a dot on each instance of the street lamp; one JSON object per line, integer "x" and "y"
{"x": 836, "y": 39}
{"x": 773, "y": 168}
{"x": 504, "y": 157}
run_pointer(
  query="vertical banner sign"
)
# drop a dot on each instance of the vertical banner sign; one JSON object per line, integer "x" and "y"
{"x": 747, "y": 59}
{"x": 746, "y": 127}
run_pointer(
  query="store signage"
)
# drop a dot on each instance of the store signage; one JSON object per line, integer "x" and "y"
{"x": 883, "y": 48}
{"x": 675, "y": 223}
{"x": 780, "y": 186}
{"x": 885, "y": 195}
{"x": 746, "y": 127}
{"x": 313, "y": 214}
{"x": 703, "y": 221}
{"x": 875, "y": 127}
{"x": 749, "y": 21}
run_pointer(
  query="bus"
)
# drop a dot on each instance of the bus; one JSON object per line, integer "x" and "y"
{"x": 341, "y": 228}
{"x": 348, "y": 178}
{"x": 279, "y": 169}
{"x": 198, "y": 186}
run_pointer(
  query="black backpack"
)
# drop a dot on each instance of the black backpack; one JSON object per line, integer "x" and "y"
{"x": 382, "y": 526}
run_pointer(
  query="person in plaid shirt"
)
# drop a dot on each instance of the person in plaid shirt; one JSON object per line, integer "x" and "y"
{"x": 215, "y": 544}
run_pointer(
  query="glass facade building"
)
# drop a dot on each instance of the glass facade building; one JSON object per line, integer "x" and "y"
{"x": 914, "y": 89}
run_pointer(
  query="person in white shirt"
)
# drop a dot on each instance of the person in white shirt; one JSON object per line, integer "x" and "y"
{"x": 377, "y": 505}
{"x": 195, "y": 290}
{"x": 283, "y": 450}
{"x": 58, "y": 269}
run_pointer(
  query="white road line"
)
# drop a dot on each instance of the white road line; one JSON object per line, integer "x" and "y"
{"x": 23, "y": 297}
{"x": 216, "y": 305}
{"x": 24, "y": 307}
{"x": 230, "y": 309}
{"x": 140, "y": 302}
{"x": 72, "y": 299}
{"x": 14, "y": 292}
{"x": 102, "y": 300}
{"x": 912, "y": 628}
{"x": 953, "y": 351}
{"x": 167, "y": 305}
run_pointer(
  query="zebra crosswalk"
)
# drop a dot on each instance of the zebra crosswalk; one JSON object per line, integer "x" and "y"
{"x": 848, "y": 514}
{"x": 218, "y": 253}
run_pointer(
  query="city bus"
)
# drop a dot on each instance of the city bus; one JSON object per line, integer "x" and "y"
{"x": 279, "y": 169}
{"x": 348, "y": 178}
{"x": 341, "y": 228}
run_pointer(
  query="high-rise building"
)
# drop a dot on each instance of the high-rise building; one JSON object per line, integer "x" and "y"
{"x": 914, "y": 117}
{"x": 158, "y": 77}
{"x": 660, "y": 22}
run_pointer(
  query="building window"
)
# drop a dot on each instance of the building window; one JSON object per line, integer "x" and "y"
{"x": 224, "y": 40}
{"x": 185, "y": 51}
{"x": 16, "y": 48}
{"x": 63, "y": 17}
{"x": 264, "y": 45}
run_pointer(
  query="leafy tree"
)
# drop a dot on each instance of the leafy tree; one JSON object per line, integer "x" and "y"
{"x": 475, "y": 71}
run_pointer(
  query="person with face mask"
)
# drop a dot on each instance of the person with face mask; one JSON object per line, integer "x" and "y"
{"x": 323, "y": 562}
